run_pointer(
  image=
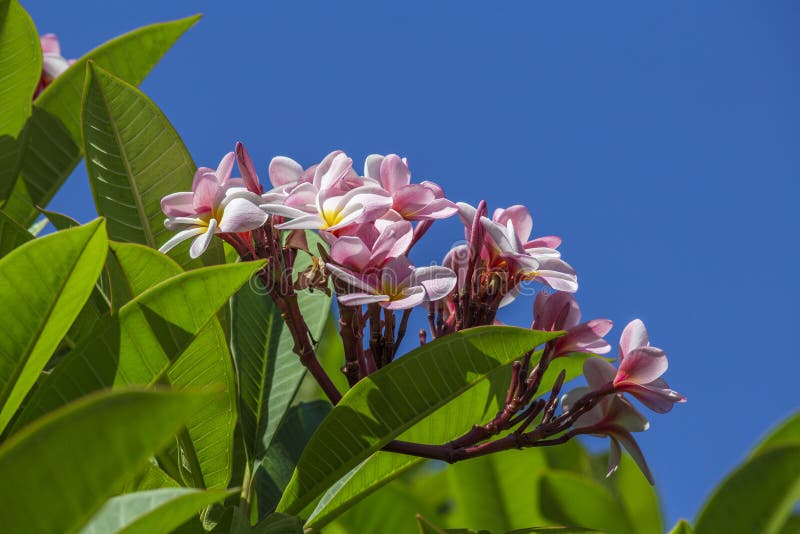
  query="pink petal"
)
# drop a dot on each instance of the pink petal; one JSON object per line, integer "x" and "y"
{"x": 413, "y": 296}
{"x": 642, "y": 365}
{"x": 657, "y": 396}
{"x": 284, "y": 171}
{"x": 358, "y": 299}
{"x": 224, "y": 168}
{"x": 241, "y": 215}
{"x": 397, "y": 271}
{"x": 303, "y": 197}
{"x": 180, "y": 237}
{"x": 498, "y": 235}
{"x": 339, "y": 168}
{"x": 633, "y": 337}
{"x": 350, "y": 278}
{"x": 557, "y": 274}
{"x": 53, "y": 66}
{"x": 437, "y": 281}
{"x": 636, "y": 453}
{"x": 614, "y": 457}
{"x": 178, "y": 204}
{"x": 598, "y": 373}
{"x": 586, "y": 337}
{"x": 305, "y": 222}
{"x": 394, "y": 173}
{"x": 457, "y": 259}
{"x": 549, "y": 241}
{"x": 350, "y": 252}
{"x": 205, "y": 192}
{"x": 520, "y": 216}
{"x": 621, "y": 413}
{"x": 392, "y": 242}
{"x": 50, "y": 44}
{"x": 466, "y": 213}
{"x": 201, "y": 242}
{"x": 372, "y": 166}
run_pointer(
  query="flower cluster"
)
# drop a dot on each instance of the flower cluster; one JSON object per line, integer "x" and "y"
{"x": 370, "y": 222}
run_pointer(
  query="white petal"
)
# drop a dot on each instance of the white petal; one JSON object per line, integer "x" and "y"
{"x": 180, "y": 237}
{"x": 201, "y": 242}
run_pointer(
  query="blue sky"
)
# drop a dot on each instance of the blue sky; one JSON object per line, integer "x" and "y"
{"x": 659, "y": 139}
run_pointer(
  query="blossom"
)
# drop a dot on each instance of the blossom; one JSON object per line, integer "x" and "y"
{"x": 53, "y": 63}
{"x": 217, "y": 204}
{"x": 507, "y": 248}
{"x": 248, "y": 170}
{"x": 560, "y": 311}
{"x": 640, "y": 368}
{"x": 414, "y": 202}
{"x": 398, "y": 285}
{"x": 371, "y": 248}
{"x": 333, "y": 200}
{"x": 616, "y": 418}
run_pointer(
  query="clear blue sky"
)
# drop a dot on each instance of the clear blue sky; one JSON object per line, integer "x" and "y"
{"x": 659, "y": 139}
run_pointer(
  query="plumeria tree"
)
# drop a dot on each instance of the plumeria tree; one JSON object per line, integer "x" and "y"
{"x": 221, "y": 352}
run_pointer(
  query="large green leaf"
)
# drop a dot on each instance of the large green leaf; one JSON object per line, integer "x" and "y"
{"x": 478, "y": 403}
{"x": 681, "y": 527}
{"x": 393, "y": 509}
{"x": 269, "y": 370}
{"x": 43, "y": 285}
{"x": 50, "y": 146}
{"x": 134, "y": 158}
{"x": 275, "y": 468}
{"x": 20, "y": 69}
{"x": 20, "y": 66}
{"x": 570, "y": 499}
{"x": 498, "y": 492}
{"x": 385, "y": 404}
{"x": 58, "y": 471}
{"x": 637, "y": 497}
{"x": 786, "y": 433}
{"x": 734, "y": 506}
{"x": 139, "y": 345}
{"x": 12, "y": 234}
{"x": 145, "y": 512}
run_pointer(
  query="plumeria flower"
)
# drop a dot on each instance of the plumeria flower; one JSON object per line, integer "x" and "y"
{"x": 560, "y": 311}
{"x": 414, "y": 202}
{"x": 217, "y": 204}
{"x": 332, "y": 201}
{"x": 640, "y": 368}
{"x": 370, "y": 248}
{"x": 398, "y": 285}
{"x": 248, "y": 170}
{"x": 506, "y": 248}
{"x": 616, "y": 418}
{"x": 53, "y": 63}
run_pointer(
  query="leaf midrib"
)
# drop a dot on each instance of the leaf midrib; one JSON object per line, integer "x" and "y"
{"x": 128, "y": 170}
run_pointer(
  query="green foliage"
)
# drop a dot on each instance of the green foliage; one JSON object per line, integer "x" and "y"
{"x": 158, "y": 510}
{"x": 12, "y": 234}
{"x": 478, "y": 403}
{"x": 45, "y": 282}
{"x": 49, "y": 146}
{"x": 681, "y": 527}
{"x": 383, "y": 405}
{"x": 101, "y": 440}
{"x": 134, "y": 158}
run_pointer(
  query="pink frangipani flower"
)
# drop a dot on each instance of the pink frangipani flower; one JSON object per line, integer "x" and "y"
{"x": 53, "y": 63}
{"x": 560, "y": 311}
{"x": 398, "y": 285}
{"x": 217, "y": 204}
{"x": 332, "y": 201}
{"x": 640, "y": 369}
{"x": 370, "y": 248}
{"x": 248, "y": 170}
{"x": 414, "y": 202}
{"x": 616, "y": 418}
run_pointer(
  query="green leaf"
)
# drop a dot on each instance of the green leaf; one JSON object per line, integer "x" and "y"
{"x": 20, "y": 70}
{"x": 791, "y": 526}
{"x": 734, "y": 506}
{"x": 498, "y": 492}
{"x": 786, "y": 433}
{"x": 158, "y": 510}
{"x": 101, "y": 440}
{"x": 45, "y": 282}
{"x": 59, "y": 220}
{"x": 478, "y": 403}
{"x": 393, "y": 509}
{"x": 12, "y": 234}
{"x": 269, "y": 370}
{"x": 637, "y": 497}
{"x": 570, "y": 499}
{"x": 140, "y": 344}
{"x": 275, "y": 524}
{"x": 390, "y": 401}
{"x": 279, "y": 460}
{"x": 20, "y": 67}
{"x": 150, "y": 478}
{"x": 681, "y": 527}
{"x": 50, "y": 145}
{"x": 134, "y": 158}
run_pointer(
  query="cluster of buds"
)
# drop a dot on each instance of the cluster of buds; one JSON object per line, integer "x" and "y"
{"x": 369, "y": 223}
